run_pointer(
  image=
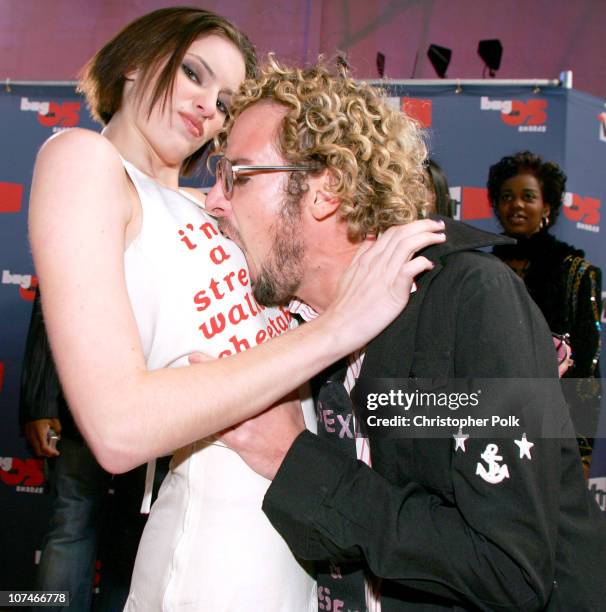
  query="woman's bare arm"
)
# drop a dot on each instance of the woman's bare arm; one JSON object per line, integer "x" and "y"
{"x": 79, "y": 211}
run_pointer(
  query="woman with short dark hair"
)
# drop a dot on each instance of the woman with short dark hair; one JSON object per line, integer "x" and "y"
{"x": 135, "y": 276}
{"x": 527, "y": 193}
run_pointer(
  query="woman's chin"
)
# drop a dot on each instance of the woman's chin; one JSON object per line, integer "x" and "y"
{"x": 520, "y": 232}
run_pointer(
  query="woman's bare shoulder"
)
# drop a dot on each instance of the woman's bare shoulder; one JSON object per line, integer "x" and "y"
{"x": 80, "y": 147}
{"x": 77, "y": 166}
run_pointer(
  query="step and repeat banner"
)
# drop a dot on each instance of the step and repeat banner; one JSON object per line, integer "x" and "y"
{"x": 469, "y": 129}
{"x": 28, "y": 116}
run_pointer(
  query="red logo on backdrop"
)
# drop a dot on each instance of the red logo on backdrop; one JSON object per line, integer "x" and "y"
{"x": 1, "y": 375}
{"x": 29, "y": 294}
{"x": 26, "y": 475}
{"x": 11, "y": 195}
{"x": 583, "y": 211}
{"x": 56, "y": 115}
{"x": 66, "y": 115}
{"x": 532, "y": 112}
{"x": 419, "y": 109}
{"x": 472, "y": 203}
{"x": 527, "y": 116}
{"x": 27, "y": 283}
{"x": 602, "y": 120}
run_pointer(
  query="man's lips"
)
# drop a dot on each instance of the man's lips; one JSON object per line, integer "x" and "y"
{"x": 193, "y": 124}
{"x": 224, "y": 227}
{"x": 228, "y": 230}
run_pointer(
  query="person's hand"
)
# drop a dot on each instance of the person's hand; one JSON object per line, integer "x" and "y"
{"x": 264, "y": 440}
{"x": 563, "y": 353}
{"x": 36, "y": 433}
{"x": 376, "y": 286}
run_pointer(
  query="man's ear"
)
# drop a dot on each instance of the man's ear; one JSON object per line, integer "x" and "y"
{"x": 325, "y": 203}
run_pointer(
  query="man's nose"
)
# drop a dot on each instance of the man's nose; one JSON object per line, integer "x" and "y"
{"x": 217, "y": 204}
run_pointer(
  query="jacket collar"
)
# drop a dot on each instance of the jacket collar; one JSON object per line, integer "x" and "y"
{"x": 390, "y": 354}
{"x": 463, "y": 237}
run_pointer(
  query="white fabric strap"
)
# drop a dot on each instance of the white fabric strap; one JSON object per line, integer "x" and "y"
{"x": 149, "y": 486}
{"x": 372, "y": 585}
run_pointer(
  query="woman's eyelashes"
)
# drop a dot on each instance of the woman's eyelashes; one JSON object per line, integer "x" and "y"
{"x": 527, "y": 196}
{"x": 190, "y": 73}
{"x": 223, "y": 108}
{"x": 193, "y": 75}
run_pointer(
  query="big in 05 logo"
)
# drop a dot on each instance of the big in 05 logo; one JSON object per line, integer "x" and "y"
{"x": 55, "y": 115}
{"x": 25, "y": 475}
{"x": 27, "y": 283}
{"x": 526, "y": 115}
{"x": 584, "y": 211}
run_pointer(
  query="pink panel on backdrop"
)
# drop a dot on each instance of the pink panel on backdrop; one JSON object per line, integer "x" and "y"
{"x": 52, "y": 40}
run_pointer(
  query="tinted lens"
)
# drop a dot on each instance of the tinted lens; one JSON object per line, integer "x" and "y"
{"x": 225, "y": 175}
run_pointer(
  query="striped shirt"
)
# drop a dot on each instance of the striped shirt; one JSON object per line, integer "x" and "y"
{"x": 372, "y": 586}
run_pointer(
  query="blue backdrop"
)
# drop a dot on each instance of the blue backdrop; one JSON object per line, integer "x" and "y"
{"x": 469, "y": 130}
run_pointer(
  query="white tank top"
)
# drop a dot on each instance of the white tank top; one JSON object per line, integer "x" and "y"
{"x": 207, "y": 545}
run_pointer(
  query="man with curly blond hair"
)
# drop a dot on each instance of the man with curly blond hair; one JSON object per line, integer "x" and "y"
{"x": 314, "y": 166}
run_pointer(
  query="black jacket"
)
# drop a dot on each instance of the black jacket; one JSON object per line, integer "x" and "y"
{"x": 423, "y": 520}
{"x": 41, "y": 396}
{"x": 567, "y": 289}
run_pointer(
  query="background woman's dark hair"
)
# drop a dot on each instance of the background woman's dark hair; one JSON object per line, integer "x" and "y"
{"x": 439, "y": 184}
{"x": 550, "y": 176}
{"x": 143, "y": 45}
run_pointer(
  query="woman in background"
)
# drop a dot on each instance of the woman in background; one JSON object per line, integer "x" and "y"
{"x": 526, "y": 193}
{"x": 439, "y": 201}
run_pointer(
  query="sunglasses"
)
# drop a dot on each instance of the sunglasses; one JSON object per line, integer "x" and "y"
{"x": 228, "y": 172}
